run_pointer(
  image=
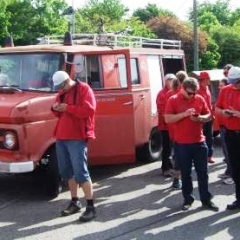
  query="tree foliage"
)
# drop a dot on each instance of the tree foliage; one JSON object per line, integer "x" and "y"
{"x": 29, "y": 19}
{"x": 208, "y": 21}
{"x": 228, "y": 40}
{"x": 221, "y": 10}
{"x": 210, "y": 57}
{"x": 223, "y": 27}
{"x": 4, "y": 20}
{"x": 110, "y": 10}
{"x": 150, "y": 11}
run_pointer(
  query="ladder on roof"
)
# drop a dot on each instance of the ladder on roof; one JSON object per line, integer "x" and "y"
{"x": 112, "y": 39}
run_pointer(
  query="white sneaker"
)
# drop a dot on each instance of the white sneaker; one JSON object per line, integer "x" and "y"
{"x": 228, "y": 181}
{"x": 223, "y": 175}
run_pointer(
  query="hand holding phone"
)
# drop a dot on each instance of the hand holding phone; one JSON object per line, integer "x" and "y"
{"x": 228, "y": 112}
{"x": 195, "y": 115}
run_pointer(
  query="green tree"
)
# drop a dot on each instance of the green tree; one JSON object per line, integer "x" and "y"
{"x": 221, "y": 9}
{"x": 4, "y": 20}
{"x": 210, "y": 57}
{"x": 228, "y": 40}
{"x": 208, "y": 21}
{"x": 95, "y": 12}
{"x": 106, "y": 10}
{"x": 234, "y": 18}
{"x": 150, "y": 11}
{"x": 30, "y": 19}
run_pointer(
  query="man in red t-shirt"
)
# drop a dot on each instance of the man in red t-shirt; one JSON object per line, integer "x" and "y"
{"x": 75, "y": 108}
{"x": 228, "y": 106}
{"x": 162, "y": 126}
{"x": 188, "y": 110}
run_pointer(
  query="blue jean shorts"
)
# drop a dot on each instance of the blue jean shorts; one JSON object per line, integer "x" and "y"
{"x": 72, "y": 160}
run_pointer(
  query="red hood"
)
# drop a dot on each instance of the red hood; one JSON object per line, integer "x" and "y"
{"x": 20, "y": 107}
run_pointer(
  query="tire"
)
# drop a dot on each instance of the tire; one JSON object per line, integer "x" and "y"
{"x": 53, "y": 181}
{"x": 151, "y": 151}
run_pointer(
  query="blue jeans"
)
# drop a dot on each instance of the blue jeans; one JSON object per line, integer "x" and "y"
{"x": 72, "y": 160}
{"x": 187, "y": 155}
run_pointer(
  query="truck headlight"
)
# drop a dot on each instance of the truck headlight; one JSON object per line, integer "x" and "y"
{"x": 10, "y": 140}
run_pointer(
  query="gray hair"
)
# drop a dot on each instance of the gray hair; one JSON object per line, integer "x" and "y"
{"x": 181, "y": 75}
{"x": 191, "y": 83}
{"x": 169, "y": 76}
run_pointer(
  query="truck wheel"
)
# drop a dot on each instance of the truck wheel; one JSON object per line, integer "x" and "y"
{"x": 54, "y": 184}
{"x": 151, "y": 151}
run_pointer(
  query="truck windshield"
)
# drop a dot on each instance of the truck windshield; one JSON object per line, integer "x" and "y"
{"x": 31, "y": 71}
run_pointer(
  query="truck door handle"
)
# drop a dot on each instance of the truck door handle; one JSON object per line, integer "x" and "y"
{"x": 142, "y": 96}
{"x": 128, "y": 103}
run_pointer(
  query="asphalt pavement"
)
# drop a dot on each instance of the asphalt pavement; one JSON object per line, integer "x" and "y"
{"x": 133, "y": 202}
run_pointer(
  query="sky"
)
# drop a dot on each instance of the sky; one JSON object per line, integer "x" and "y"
{"x": 179, "y": 7}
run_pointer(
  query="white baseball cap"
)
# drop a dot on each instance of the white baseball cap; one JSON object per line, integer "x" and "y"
{"x": 59, "y": 77}
{"x": 234, "y": 75}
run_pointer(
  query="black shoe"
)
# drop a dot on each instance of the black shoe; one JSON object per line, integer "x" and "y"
{"x": 186, "y": 206}
{"x": 234, "y": 206}
{"x": 210, "y": 205}
{"x": 88, "y": 215}
{"x": 72, "y": 208}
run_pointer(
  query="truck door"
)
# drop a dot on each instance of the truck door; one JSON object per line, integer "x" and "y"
{"x": 109, "y": 77}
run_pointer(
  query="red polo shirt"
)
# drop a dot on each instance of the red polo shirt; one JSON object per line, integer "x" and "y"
{"x": 187, "y": 131}
{"x": 229, "y": 97}
{"x": 161, "y": 103}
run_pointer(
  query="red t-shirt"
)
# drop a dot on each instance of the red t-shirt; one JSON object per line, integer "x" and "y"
{"x": 187, "y": 131}
{"x": 161, "y": 103}
{"x": 229, "y": 97}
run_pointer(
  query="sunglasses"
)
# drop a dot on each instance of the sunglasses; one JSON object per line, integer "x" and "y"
{"x": 190, "y": 93}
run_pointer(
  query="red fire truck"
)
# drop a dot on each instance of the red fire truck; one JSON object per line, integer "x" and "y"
{"x": 126, "y": 73}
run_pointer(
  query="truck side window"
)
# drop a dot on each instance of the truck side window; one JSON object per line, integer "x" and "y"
{"x": 87, "y": 69}
{"x": 93, "y": 72}
{"x": 122, "y": 71}
{"x": 134, "y": 71}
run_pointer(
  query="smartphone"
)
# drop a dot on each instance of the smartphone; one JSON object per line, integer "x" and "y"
{"x": 195, "y": 115}
{"x": 229, "y": 113}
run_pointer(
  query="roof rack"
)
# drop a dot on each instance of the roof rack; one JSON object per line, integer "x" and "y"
{"x": 112, "y": 39}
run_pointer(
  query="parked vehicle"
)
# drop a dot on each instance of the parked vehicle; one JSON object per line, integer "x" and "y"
{"x": 126, "y": 73}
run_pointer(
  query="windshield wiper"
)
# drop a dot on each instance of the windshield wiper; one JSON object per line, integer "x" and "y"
{"x": 9, "y": 88}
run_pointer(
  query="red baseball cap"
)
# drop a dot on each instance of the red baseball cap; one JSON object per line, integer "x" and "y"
{"x": 204, "y": 75}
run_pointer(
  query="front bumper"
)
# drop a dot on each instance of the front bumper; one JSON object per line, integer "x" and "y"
{"x": 16, "y": 167}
